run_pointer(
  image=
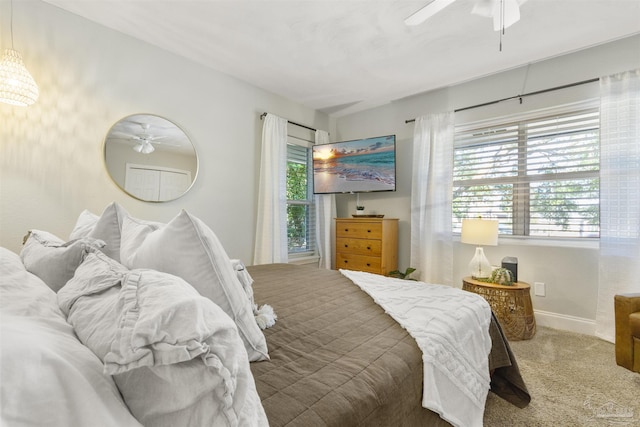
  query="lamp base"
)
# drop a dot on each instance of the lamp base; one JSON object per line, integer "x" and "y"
{"x": 479, "y": 265}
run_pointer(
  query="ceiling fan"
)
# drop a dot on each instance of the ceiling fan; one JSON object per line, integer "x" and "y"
{"x": 504, "y": 12}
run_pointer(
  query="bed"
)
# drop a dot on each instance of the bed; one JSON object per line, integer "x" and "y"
{"x": 337, "y": 359}
{"x": 119, "y": 325}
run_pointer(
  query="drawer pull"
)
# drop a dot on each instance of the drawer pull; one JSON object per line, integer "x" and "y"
{"x": 346, "y": 229}
{"x": 368, "y": 265}
{"x": 368, "y": 231}
{"x": 346, "y": 246}
{"x": 368, "y": 248}
{"x": 345, "y": 261}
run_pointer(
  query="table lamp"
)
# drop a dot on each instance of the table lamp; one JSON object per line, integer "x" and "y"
{"x": 480, "y": 232}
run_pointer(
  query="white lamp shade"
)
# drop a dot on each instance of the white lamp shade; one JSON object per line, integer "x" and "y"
{"x": 17, "y": 87}
{"x": 480, "y": 232}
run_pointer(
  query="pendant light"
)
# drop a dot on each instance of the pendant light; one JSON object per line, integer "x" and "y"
{"x": 17, "y": 87}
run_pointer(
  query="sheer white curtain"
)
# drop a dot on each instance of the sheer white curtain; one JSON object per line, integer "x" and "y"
{"x": 325, "y": 212}
{"x": 431, "y": 237}
{"x": 271, "y": 227}
{"x": 619, "y": 194}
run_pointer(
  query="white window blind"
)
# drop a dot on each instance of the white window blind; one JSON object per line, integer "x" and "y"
{"x": 301, "y": 215}
{"x": 537, "y": 176}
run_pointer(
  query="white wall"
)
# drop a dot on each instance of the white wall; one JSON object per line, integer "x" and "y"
{"x": 51, "y": 153}
{"x": 51, "y": 164}
{"x": 570, "y": 273}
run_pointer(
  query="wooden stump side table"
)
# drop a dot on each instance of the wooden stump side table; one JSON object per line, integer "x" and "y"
{"x": 511, "y": 305}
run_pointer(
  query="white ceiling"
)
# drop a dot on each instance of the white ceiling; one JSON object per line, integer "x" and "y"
{"x": 342, "y": 56}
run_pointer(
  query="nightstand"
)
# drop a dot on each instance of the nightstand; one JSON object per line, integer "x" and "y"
{"x": 511, "y": 305}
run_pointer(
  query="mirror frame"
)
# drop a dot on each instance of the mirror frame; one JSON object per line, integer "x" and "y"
{"x": 124, "y": 132}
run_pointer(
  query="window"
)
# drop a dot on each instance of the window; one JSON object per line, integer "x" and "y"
{"x": 539, "y": 177}
{"x": 301, "y": 215}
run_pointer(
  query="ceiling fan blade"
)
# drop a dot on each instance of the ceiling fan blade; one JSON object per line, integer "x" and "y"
{"x": 154, "y": 138}
{"x": 165, "y": 144}
{"x": 511, "y": 15}
{"x": 486, "y": 8}
{"x": 427, "y": 12}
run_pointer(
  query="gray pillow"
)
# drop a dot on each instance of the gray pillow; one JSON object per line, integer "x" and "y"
{"x": 106, "y": 227}
{"x": 186, "y": 247}
{"x": 53, "y": 260}
{"x": 176, "y": 357}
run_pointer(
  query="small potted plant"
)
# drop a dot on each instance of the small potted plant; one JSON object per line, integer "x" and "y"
{"x": 402, "y": 275}
{"x": 359, "y": 210}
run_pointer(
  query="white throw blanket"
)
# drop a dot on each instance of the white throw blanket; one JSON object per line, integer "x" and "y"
{"x": 451, "y": 327}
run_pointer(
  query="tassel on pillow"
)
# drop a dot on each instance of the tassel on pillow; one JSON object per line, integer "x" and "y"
{"x": 265, "y": 316}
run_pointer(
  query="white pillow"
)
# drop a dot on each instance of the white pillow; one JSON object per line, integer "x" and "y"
{"x": 86, "y": 222}
{"x": 104, "y": 227}
{"x": 53, "y": 260}
{"x": 176, "y": 357}
{"x": 187, "y": 248}
{"x": 48, "y": 377}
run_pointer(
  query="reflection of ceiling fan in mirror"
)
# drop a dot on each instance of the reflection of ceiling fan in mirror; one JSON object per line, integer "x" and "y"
{"x": 145, "y": 140}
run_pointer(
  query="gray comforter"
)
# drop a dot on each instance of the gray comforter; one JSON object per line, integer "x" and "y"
{"x": 338, "y": 360}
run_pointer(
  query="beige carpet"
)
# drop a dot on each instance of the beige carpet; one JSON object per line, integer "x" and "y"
{"x": 573, "y": 380}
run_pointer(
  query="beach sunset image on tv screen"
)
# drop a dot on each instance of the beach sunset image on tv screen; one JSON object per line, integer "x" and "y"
{"x": 361, "y": 165}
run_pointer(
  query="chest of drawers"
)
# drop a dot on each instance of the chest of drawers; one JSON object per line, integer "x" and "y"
{"x": 367, "y": 244}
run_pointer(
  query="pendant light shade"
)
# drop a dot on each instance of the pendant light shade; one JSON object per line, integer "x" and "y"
{"x": 17, "y": 87}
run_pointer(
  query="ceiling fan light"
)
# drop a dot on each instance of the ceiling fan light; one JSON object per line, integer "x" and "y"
{"x": 17, "y": 86}
{"x": 147, "y": 148}
{"x": 144, "y": 148}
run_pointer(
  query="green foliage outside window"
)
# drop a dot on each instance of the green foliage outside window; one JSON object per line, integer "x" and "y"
{"x": 296, "y": 181}
{"x": 298, "y": 208}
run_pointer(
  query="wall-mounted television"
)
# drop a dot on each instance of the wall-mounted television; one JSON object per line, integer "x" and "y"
{"x": 357, "y": 166}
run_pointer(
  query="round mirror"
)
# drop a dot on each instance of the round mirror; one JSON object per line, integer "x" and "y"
{"x": 150, "y": 158}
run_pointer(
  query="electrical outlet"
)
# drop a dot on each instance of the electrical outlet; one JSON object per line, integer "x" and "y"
{"x": 540, "y": 289}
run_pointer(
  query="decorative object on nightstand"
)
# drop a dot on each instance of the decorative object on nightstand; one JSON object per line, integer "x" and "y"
{"x": 480, "y": 232}
{"x": 511, "y": 305}
{"x": 367, "y": 244}
{"x": 511, "y": 264}
{"x": 501, "y": 276}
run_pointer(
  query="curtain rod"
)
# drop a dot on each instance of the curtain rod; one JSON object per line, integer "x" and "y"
{"x": 538, "y": 92}
{"x": 289, "y": 121}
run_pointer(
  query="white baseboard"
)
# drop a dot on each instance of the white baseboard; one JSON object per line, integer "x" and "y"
{"x": 565, "y": 322}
